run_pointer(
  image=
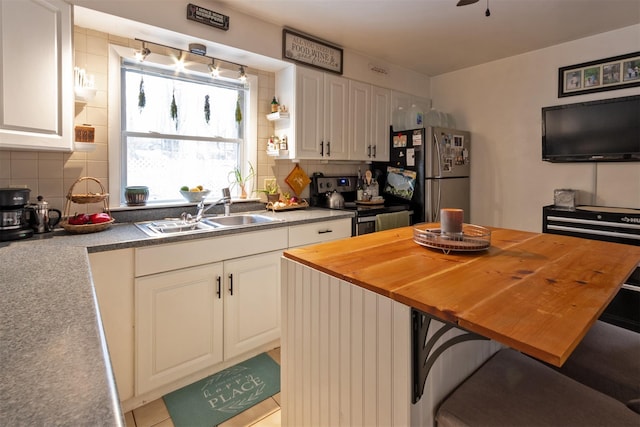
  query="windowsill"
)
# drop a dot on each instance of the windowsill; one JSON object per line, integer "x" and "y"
{"x": 152, "y": 205}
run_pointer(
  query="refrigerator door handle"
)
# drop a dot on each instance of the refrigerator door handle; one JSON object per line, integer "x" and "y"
{"x": 438, "y": 159}
{"x": 436, "y": 212}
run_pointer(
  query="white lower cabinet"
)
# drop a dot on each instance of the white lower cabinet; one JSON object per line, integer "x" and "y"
{"x": 179, "y": 324}
{"x": 194, "y": 317}
{"x": 251, "y": 302}
{"x": 319, "y": 232}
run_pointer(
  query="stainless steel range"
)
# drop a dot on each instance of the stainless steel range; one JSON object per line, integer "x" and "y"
{"x": 323, "y": 187}
{"x": 618, "y": 225}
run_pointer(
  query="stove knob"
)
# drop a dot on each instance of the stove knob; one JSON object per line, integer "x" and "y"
{"x": 328, "y": 185}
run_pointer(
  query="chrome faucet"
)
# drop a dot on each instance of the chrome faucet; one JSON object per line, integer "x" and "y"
{"x": 226, "y": 199}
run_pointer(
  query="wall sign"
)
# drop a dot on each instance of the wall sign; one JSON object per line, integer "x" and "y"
{"x": 308, "y": 51}
{"x": 617, "y": 72}
{"x": 207, "y": 17}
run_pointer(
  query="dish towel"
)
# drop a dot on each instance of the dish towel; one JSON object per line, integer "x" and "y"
{"x": 391, "y": 220}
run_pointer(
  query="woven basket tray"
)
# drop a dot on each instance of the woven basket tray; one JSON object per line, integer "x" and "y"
{"x": 85, "y": 228}
{"x": 101, "y": 197}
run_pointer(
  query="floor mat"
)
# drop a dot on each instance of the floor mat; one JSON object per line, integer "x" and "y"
{"x": 221, "y": 396}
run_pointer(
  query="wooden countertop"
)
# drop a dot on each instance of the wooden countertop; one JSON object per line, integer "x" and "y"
{"x": 537, "y": 293}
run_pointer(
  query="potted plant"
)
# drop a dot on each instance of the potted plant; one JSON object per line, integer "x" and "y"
{"x": 236, "y": 177}
{"x": 271, "y": 190}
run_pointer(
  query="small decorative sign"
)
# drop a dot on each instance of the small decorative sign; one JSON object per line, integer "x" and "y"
{"x": 207, "y": 17}
{"x": 617, "y": 72}
{"x": 305, "y": 50}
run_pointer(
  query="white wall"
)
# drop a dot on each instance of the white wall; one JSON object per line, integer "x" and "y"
{"x": 500, "y": 103}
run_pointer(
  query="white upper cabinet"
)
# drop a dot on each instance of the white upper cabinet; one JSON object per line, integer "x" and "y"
{"x": 380, "y": 124}
{"x": 360, "y": 120}
{"x": 370, "y": 118}
{"x": 36, "y": 77}
{"x": 334, "y": 118}
{"x": 320, "y": 115}
{"x": 309, "y": 114}
{"x": 336, "y": 109}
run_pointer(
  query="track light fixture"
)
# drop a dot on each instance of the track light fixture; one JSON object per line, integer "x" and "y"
{"x": 142, "y": 54}
{"x": 194, "y": 49}
{"x": 214, "y": 69}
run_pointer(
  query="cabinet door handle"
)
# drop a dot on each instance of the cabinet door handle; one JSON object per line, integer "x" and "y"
{"x": 328, "y": 148}
{"x": 230, "y": 283}
{"x": 369, "y": 151}
{"x": 374, "y": 151}
{"x": 321, "y": 148}
{"x": 328, "y": 230}
{"x": 219, "y": 291}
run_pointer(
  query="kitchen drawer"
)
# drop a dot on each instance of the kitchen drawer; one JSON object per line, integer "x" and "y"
{"x": 173, "y": 256}
{"x": 319, "y": 232}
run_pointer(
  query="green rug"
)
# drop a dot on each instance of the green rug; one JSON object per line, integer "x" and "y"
{"x": 221, "y": 396}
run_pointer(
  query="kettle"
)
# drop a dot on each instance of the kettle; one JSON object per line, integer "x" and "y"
{"x": 39, "y": 218}
{"x": 335, "y": 199}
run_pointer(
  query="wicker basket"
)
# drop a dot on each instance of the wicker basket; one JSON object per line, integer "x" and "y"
{"x": 81, "y": 199}
{"x": 90, "y": 197}
{"x": 85, "y": 228}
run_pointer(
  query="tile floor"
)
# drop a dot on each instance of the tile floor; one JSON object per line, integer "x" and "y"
{"x": 264, "y": 414}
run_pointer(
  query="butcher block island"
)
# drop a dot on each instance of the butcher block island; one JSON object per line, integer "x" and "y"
{"x": 354, "y": 309}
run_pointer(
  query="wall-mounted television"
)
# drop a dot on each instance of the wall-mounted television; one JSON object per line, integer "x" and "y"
{"x": 606, "y": 130}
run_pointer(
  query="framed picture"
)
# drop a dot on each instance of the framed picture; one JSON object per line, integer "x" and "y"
{"x": 617, "y": 72}
{"x": 306, "y": 50}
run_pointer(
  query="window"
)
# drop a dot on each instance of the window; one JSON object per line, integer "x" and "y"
{"x": 178, "y": 129}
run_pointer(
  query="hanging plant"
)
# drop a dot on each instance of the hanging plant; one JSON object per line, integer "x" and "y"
{"x": 207, "y": 109}
{"x": 238, "y": 111}
{"x": 142, "y": 99}
{"x": 174, "y": 108}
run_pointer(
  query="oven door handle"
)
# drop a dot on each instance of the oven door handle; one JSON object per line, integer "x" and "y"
{"x": 368, "y": 218}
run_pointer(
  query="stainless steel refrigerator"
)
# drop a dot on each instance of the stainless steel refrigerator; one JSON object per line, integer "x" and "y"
{"x": 439, "y": 160}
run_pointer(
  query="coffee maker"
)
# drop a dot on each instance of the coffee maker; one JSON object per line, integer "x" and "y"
{"x": 13, "y": 224}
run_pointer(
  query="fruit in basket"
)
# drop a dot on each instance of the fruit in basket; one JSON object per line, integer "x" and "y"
{"x": 184, "y": 188}
{"x": 99, "y": 218}
{"x": 79, "y": 219}
{"x": 293, "y": 200}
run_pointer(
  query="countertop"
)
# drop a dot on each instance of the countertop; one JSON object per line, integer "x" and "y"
{"x": 537, "y": 293}
{"x": 54, "y": 365}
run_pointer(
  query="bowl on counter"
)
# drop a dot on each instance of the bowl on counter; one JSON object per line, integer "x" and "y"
{"x": 194, "y": 196}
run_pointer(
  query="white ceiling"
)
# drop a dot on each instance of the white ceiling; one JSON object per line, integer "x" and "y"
{"x": 434, "y": 36}
{"x": 428, "y": 36}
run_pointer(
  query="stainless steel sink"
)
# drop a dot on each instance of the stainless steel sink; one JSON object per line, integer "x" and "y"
{"x": 176, "y": 227}
{"x": 172, "y": 227}
{"x": 239, "y": 220}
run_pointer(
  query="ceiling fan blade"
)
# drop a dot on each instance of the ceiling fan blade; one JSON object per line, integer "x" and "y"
{"x": 466, "y": 2}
